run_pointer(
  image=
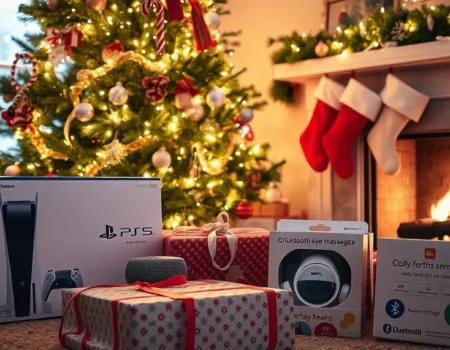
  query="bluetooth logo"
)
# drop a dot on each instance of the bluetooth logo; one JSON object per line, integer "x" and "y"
{"x": 387, "y": 328}
{"x": 109, "y": 233}
{"x": 395, "y": 308}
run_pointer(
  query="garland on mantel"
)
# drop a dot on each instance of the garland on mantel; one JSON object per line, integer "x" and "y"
{"x": 384, "y": 28}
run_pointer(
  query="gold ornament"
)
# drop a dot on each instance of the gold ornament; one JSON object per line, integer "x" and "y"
{"x": 321, "y": 49}
{"x": 113, "y": 152}
{"x": 96, "y": 5}
{"x": 13, "y": 170}
{"x": 215, "y": 166}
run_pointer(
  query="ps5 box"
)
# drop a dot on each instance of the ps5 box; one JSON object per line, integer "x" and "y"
{"x": 412, "y": 297}
{"x": 60, "y": 232}
{"x": 327, "y": 266}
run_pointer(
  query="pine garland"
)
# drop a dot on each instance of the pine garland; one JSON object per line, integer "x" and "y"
{"x": 384, "y": 25}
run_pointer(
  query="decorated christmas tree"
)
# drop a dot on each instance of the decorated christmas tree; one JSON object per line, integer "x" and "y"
{"x": 137, "y": 88}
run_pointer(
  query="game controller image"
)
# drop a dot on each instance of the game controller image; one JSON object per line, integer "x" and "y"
{"x": 22, "y": 272}
{"x": 60, "y": 279}
{"x": 317, "y": 278}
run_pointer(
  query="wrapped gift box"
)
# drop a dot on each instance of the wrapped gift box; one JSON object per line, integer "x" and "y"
{"x": 193, "y": 315}
{"x": 217, "y": 252}
{"x": 277, "y": 209}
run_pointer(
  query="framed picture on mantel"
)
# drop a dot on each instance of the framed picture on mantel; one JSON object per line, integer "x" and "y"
{"x": 336, "y": 12}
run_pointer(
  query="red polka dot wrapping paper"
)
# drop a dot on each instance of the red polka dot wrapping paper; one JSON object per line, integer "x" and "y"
{"x": 227, "y": 316}
{"x": 250, "y": 266}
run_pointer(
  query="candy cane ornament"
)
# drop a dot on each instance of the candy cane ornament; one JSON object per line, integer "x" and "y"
{"x": 21, "y": 112}
{"x": 160, "y": 25}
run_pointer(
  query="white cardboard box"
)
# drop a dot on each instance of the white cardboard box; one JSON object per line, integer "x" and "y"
{"x": 412, "y": 299}
{"x": 58, "y": 232}
{"x": 326, "y": 266}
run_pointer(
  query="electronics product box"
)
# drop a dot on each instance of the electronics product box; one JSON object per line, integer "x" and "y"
{"x": 58, "y": 232}
{"x": 412, "y": 299}
{"x": 327, "y": 266}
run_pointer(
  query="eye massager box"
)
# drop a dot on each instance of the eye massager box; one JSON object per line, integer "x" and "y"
{"x": 327, "y": 265}
{"x": 412, "y": 300}
{"x": 61, "y": 232}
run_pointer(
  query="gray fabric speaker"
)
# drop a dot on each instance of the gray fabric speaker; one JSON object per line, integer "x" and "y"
{"x": 154, "y": 269}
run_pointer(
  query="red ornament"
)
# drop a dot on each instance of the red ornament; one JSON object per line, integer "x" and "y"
{"x": 49, "y": 174}
{"x": 244, "y": 210}
{"x": 112, "y": 52}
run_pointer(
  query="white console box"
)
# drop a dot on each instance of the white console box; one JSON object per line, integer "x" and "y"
{"x": 58, "y": 232}
{"x": 327, "y": 266}
{"x": 412, "y": 298}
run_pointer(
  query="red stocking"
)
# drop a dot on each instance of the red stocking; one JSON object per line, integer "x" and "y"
{"x": 359, "y": 106}
{"x": 328, "y": 93}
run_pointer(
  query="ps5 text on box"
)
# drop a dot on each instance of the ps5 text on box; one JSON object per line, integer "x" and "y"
{"x": 412, "y": 300}
{"x": 326, "y": 266}
{"x": 59, "y": 232}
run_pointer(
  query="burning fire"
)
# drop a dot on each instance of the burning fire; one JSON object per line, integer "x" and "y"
{"x": 441, "y": 210}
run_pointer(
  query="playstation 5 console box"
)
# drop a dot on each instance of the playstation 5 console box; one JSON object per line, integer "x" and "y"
{"x": 58, "y": 232}
{"x": 327, "y": 267}
{"x": 412, "y": 299}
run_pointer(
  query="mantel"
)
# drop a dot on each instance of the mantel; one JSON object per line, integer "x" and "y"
{"x": 417, "y": 55}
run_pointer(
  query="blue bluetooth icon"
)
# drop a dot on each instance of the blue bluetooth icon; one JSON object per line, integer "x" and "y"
{"x": 387, "y": 328}
{"x": 395, "y": 308}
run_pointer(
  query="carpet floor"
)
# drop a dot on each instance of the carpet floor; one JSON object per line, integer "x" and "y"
{"x": 43, "y": 335}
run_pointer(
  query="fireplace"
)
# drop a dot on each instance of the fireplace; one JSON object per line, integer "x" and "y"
{"x": 386, "y": 202}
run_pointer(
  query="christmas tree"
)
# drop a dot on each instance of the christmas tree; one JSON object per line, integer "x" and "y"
{"x": 137, "y": 88}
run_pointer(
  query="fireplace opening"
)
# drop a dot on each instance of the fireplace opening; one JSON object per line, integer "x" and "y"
{"x": 414, "y": 203}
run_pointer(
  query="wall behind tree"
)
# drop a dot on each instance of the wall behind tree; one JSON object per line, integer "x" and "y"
{"x": 278, "y": 124}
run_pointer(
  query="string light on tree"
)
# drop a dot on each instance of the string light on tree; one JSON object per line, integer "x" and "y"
{"x": 118, "y": 95}
{"x": 161, "y": 159}
{"x": 84, "y": 112}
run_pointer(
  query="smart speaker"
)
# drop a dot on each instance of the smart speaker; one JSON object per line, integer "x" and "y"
{"x": 154, "y": 269}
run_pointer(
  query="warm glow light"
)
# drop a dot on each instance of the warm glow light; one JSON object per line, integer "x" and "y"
{"x": 441, "y": 210}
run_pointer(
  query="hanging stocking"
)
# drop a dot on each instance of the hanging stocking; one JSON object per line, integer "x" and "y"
{"x": 327, "y": 93}
{"x": 359, "y": 106}
{"x": 402, "y": 104}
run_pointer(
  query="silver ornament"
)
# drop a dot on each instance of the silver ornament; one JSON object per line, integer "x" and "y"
{"x": 84, "y": 112}
{"x": 246, "y": 115}
{"x": 196, "y": 113}
{"x": 118, "y": 95}
{"x": 12, "y": 170}
{"x": 321, "y": 49}
{"x": 213, "y": 19}
{"x": 215, "y": 98}
{"x": 430, "y": 23}
{"x": 52, "y": 5}
{"x": 161, "y": 159}
{"x": 96, "y": 5}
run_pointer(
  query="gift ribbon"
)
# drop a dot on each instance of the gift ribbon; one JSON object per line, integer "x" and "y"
{"x": 186, "y": 85}
{"x": 160, "y": 25}
{"x": 188, "y": 302}
{"x": 69, "y": 37}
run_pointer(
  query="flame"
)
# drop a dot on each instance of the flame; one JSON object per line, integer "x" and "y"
{"x": 441, "y": 210}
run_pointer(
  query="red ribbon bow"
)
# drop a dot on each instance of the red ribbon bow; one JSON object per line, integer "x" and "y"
{"x": 69, "y": 37}
{"x": 156, "y": 88}
{"x": 21, "y": 116}
{"x": 186, "y": 85}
